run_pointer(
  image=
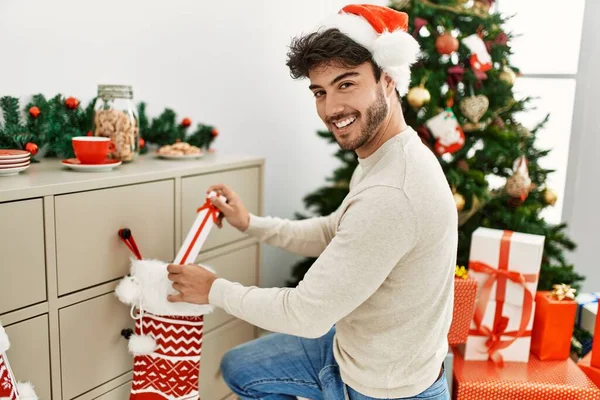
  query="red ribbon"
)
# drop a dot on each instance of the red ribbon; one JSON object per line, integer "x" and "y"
{"x": 501, "y": 275}
{"x": 212, "y": 210}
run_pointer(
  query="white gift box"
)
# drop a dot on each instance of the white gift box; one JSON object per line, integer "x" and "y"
{"x": 586, "y": 317}
{"x": 524, "y": 257}
{"x": 517, "y": 351}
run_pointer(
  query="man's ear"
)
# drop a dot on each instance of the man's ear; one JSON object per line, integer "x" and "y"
{"x": 389, "y": 84}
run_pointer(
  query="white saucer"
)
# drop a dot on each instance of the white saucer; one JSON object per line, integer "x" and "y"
{"x": 12, "y": 161}
{"x": 12, "y": 171}
{"x": 10, "y": 154}
{"x": 183, "y": 157}
{"x": 76, "y": 165}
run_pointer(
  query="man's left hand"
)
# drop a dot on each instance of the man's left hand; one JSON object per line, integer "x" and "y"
{"x": 192, "y": 282}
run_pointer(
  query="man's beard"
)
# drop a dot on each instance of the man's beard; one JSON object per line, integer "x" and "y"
{"x": 375, "y": 116}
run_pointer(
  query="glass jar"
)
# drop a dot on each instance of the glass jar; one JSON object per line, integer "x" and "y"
{"x": 115, "y": 117}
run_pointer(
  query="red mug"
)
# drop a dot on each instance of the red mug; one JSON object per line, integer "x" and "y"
{"x": 92, "y": 149}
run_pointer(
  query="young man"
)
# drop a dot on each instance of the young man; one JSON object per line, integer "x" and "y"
{"x": 371, "y": 316}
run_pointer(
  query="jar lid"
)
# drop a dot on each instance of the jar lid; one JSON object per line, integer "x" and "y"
{"x": 115, "y": 91}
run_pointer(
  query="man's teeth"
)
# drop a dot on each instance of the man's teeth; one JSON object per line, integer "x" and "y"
{"x": 345, "y": 122}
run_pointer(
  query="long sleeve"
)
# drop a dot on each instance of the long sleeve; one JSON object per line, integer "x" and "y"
{"x": 377, "y": 229}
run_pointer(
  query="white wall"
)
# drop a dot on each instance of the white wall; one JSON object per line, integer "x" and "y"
{"x": 217, "y": 62}
{"x": 582, "y": 194}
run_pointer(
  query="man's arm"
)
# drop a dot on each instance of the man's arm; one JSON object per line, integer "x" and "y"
{"x": 378, "y": 228}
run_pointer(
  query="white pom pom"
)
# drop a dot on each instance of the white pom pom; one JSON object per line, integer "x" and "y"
{"x": 141, "y": 345}
{"x": 128, "y": 290}
{"x": 4, "y": 342}
{"x": 26, "y": 391}
{"x": 395, "y": 49}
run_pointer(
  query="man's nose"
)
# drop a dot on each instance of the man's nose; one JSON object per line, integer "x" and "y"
{"x": 333, "y": 106}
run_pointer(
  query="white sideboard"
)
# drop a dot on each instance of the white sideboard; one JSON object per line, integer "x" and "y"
{"x": 61, "y": 259}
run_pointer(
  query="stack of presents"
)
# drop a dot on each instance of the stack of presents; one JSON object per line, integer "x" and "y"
{"x": 509, "y": 341}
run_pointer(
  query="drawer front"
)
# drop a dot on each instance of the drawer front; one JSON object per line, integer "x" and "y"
{"x": 118, "y": 393}
{"x": 89, "y": 251}
{"x": 245, "y": 182}
{"x": 238, "y": 266}
{"x": 214, "y": 347}
{"x": 23, "y": 255}
{"x": 93, "y": 351}
{"x": 29, "y": 354}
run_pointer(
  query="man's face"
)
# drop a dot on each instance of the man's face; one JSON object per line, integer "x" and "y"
{"x": 350, "y": 102}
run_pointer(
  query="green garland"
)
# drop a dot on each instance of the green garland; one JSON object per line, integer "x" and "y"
{"x": 50, "y": 124}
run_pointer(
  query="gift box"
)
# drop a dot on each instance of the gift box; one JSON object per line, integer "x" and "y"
{"x": 506, "y": 266}
{"x": 535, "y": 379}
{"x": 552, "y": 327}
{"x": 593, "y": 373}
{"x": 465, "y": 291}
{"x": 587, "y": 309}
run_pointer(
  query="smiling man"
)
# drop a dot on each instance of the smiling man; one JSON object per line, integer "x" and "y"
{"x": 371, "y": 317}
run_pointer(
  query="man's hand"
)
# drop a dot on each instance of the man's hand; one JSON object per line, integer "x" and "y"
{"x": 234, "y": 210}
{"x": 192, "y": 282}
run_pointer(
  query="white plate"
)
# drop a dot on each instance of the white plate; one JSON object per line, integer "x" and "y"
{"x": 11, "y": 154}
{"x": 75, "y": 165}
{"x": 12, "y": 171}
{"x": 14, "y": 160}
{"x": 15, "y": 164}
{"x": 184, "y": 157}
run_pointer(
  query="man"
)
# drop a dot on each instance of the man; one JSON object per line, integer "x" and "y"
{"x": 371, "y": 316}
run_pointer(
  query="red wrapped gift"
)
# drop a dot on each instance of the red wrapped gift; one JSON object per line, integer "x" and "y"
{"x": 548, "y": 380}
{"x": 592, "y": 372}
{"x": 465, "y": 291}
{"x": 552, "y": 326}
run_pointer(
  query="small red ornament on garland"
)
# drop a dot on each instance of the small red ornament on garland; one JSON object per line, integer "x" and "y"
{"x": 32, "y": 148}
{"x": 142, "y": 143}
{"x": 446, "y": 44}
{"x": 186, "y": 122}
{"x": 34, "y": 111}
{"x": 72, "y": 103}
{"x": 214, "y": 132}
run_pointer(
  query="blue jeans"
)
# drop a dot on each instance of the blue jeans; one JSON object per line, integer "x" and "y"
{"x": 281, "y": 367}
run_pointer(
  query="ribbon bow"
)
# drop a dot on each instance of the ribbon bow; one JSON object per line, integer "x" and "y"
{"x": 212, "y": 210}
{"x": 562, "y": 291}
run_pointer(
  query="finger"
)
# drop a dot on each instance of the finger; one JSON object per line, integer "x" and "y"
{"x": 175, "y": 298}
{"x": 221, "y": 188}
{"x": 174, "y": 277}
{"x": 175, "y": 268}
{"x": 221, "y": 205}
{"x": 177, "y": 286}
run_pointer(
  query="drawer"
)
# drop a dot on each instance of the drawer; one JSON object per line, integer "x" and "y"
{"x": 245, "y": 182}
{"x": 23, "y": 255}
{"x": 29, "y": 353}
{"x": 118, "y": 393}
{"x": 93, "y": 351}
{"x": 238, "y": 266}
{"x": 88, "y": 249}
{"x": 214, "y": 346}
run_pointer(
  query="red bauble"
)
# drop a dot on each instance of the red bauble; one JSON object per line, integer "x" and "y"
{"x": 142, "y": 143}
{"x": 186, "y": 122}
{"x": 214, "y": 132}
{"x": 72, "y": 103}
{"x": 90, "y": 133}
{"x": 446, "y": 44}
{"x": 34, "y": 111}
{"x": 32, "y": 148}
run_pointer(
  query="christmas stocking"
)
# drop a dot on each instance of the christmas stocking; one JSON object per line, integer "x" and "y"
{"x": 447, "y": 132}
{"x": 167, "y": 341}
{"x": 480, "y": 58}
{"x": 9, "y": 388}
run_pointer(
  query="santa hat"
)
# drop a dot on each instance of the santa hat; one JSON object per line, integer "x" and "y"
{"x": 382, "y": 31}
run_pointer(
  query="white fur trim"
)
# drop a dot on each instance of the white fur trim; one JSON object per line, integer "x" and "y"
{"x": 128, "y": 290}
{"x": 353, "y": 26}
{"x": 141, "y": 345}
{"x": 4, "y": 342}
{"x": 401, "y": 76}
{"x": 155, "y": 287}
{"x": 26, "y": 391}
{"x": 393, "y": 49}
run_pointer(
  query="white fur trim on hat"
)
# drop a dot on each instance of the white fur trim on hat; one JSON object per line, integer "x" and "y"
{"x": 4, "y": 342}
{"x": 148, "y": 286}
{"x": 26, "y": 391}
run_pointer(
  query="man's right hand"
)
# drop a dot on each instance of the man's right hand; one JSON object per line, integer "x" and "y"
{"x": 234, "y": 210}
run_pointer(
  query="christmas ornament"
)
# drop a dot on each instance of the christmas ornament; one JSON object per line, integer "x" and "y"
{"x": 498, "y": 122}
{"x": 459, "y": 199}
{"x": 142, "y": 143}
{"x": 10, "y": 389}
{"x": 72, "y": 103}
{"x": 214, "y": 132}
{"x": 399, "y": 4}
{"x": 447, "y": 132}
{"x": 455, "y": 75}
{"x": 34, "y": 111}
{"x": 419, "y": 23}
{"x": 418, "y": 96}
{"x": 462, "y": 165}
{"x": 550, "y": 196}
{"x": 480, "y": 58}
{"x": 32, "y": 148}
{"x": 508, "y": 75}
{"x": 446, "y": 44}
{"x": 186, "y": 122}
{"x": 474, "y": 107}
{"x": 562, "y": 291}
{"x": 519, "y": 184}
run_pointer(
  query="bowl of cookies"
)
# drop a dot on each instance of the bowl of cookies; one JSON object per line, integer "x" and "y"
{"x": 179, "y": 151}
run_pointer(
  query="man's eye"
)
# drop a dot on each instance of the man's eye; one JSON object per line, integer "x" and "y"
{"x": 345, "y": 85}
{"x": 319, "y": 93}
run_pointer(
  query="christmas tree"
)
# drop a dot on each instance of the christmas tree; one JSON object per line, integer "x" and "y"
{"x": 462, "y": 105}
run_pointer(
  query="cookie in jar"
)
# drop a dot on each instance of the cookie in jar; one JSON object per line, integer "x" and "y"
{"x": 115, "y": 117}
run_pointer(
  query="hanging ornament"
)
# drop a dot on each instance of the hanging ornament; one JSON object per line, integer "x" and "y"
{"x": 550, "y": 196}
{"x": 34, "y": 111}
{"x": 463, "y": 165}
{"x": 419, "y": 23}
{"x": 480, "y": 58}
{"x": 399, "y": 4}
{"x": 446, "y": 43}
{"x": 448, "y": 134}
{"x": 508, "y": 76}
{"x": 72, "y": 103}
{"x": 214, "y": 132}
{"x": 474, "y": 107}
{"x": 519, "y": 184}
{"x": 418, "y": 96}
{"x": 32, "y": 148}
{"x": 186, "y": 122}
{"x": 142, "y": 143}
{"x": 455, "y": 75}
{"x": 459, "y": 199}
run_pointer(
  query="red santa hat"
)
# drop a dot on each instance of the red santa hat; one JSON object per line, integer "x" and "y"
{"x": 382, "y": 31}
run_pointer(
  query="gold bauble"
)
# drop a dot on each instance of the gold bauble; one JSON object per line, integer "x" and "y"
{"x": 418, "y": 96}
{"x": 508, "y": 76}
{"x": 550, "y": 196}
{"x": 459, "y": 199}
